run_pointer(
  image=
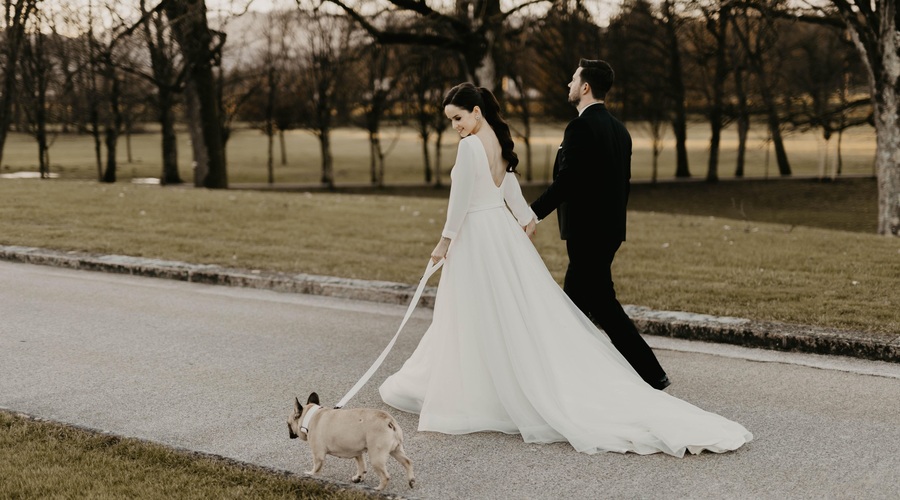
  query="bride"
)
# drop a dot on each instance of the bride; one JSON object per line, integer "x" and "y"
{"x": 507, "y": 350}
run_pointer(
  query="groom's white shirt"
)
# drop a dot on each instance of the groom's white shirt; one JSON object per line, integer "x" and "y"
{"x": 586, "y": 107}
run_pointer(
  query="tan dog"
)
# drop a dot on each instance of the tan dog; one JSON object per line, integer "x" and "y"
{"x": 348, "y": 434}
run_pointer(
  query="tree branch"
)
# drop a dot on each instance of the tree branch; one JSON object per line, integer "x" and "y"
{"x": 417, "y": 6}
{"x": 393, "y": 37}
{"x": 517, "y": 8}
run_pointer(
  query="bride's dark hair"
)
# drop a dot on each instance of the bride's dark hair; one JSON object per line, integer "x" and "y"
{"x": 467, "y": 96}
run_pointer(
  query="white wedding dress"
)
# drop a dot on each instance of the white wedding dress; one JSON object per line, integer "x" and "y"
{"x": 508, "y": 351}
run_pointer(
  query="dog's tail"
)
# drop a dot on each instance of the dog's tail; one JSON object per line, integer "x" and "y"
{"x": 392, "y": 425}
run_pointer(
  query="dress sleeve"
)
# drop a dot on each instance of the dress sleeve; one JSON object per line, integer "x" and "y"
{"x": 462, "y": 183}
{"x": 512, "y": 193}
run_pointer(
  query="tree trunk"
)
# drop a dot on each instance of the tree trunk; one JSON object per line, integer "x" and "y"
{"x": 784, "y": 167}
{"x": 720, "y": 32}
{"x": 270, "y": 120}
{"x": 656, "y": 134}
{"x": 426, "y": 158}
{"x": 373, "y": 170}
{"x": 743, "y": 121}
{"x": 376, "y": 158}
{"x": 113, "y": 126}
{"x": 270, "y": 162}
{"x": 170, "y": 173}
{"x": 887, "y": 150}
{"x": 887, "y": 164}
{"x": 41, "y": 133}
{"x": 198, "y": 143}
{"x": 676, "y": 85}
{"x": 526, "y": 126}
{"x": 217, "y": 176}
{"x": 438, "y": 136}
{"x": 773, "y": 121}
{"x": 679, "y": 127}
{"x": 128, "y": 155}
{"x": 109, "y": 175}
{"x": 327, "y": 160}
{"x": 95, "y": 133}
{"x": 283, "y": 147}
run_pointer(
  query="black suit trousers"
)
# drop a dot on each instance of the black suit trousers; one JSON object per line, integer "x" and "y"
{"x": 590, "y": 286}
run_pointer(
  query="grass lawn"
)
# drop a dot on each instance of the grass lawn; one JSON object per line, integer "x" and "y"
{"x": 728, "y": 252}
{"x": 47, "y": 460}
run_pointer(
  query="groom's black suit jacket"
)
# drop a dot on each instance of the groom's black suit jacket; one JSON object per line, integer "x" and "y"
{"x": 590, "y": 179}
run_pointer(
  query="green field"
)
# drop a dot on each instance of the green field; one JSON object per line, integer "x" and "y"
{"x": 47, "y": 460}
{"x": 72, "y": 156}
{"x": 720, "y": 260}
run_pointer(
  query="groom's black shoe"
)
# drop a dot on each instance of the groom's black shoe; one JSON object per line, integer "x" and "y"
{"x": 662, "y": 383}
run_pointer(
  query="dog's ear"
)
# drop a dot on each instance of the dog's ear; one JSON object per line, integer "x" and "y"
{"x": 313, "y": 398}
{"x": 297, "y": 406}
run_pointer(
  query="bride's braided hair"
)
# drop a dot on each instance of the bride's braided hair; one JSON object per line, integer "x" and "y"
{"x": 467, "y": 96}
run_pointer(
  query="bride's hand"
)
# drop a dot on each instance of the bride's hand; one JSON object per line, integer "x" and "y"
{"x": 440, "y": 251}
{"x": 531, "y": 229}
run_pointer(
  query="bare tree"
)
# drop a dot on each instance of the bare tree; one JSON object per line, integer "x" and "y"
{"x": 874, "y": 27}
{"x": 272, "y": 73}
{"x": 560, "y": 40}
{"x": 114, "y": 118}
{"x": 470, "y": 28}
{"x": 201, "y": 48}
{"x": 758, "y": 35}
{"x": 520, "y": 95}
{"x": 710, "y": 50}
{"x": 817, "y": 80}
{"x": 654, "y": 82}
{"x": 16, "y": 15}
{"x": 641, "y": 87}
{"x": 541, "y": 60}
{"x": 168, "y": 81}
{"x": 875, "y": 30}
{"x": 428, "y": 79}
{"x": 327, "y": 52}
{"x": 38, "y": 71}
{"x": 93, "y": 91}
{"x": 671, "y": 21}
{"x": 380, "y": 67}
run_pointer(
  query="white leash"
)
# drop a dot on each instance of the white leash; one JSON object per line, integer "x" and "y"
{"x": 431, "y": 269}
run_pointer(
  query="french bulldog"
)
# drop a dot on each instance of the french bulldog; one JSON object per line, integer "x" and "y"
{"x": 349, "y": 433}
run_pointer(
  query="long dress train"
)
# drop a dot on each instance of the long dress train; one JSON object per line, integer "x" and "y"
{"x": 508, "y": 351}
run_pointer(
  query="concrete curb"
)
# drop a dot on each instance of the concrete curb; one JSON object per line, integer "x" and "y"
{"x": 738, "y": 331}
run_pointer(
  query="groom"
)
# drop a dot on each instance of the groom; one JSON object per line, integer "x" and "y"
{"x": 590, "y": 192}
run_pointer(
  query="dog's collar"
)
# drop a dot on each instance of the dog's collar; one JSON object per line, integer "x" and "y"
{"x": 304, "y": 426}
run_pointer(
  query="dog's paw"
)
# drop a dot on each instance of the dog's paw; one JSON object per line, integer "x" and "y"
{"x": 412, "y": 482}
{"x": 357, "y": 478}
{"x": 310, "y": 472}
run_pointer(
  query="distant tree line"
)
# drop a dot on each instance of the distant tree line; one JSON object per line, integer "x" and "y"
{"x": 321, "y": 64}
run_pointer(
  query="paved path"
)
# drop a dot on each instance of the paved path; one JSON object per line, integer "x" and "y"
{"x": 676, "y": 324}
{"x": 214, "y": 369}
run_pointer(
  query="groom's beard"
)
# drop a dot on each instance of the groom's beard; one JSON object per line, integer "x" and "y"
{"x": 574, "y": 100}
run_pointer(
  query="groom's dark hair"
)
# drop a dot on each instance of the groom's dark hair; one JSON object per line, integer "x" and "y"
{"x": 598, "y": 74}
